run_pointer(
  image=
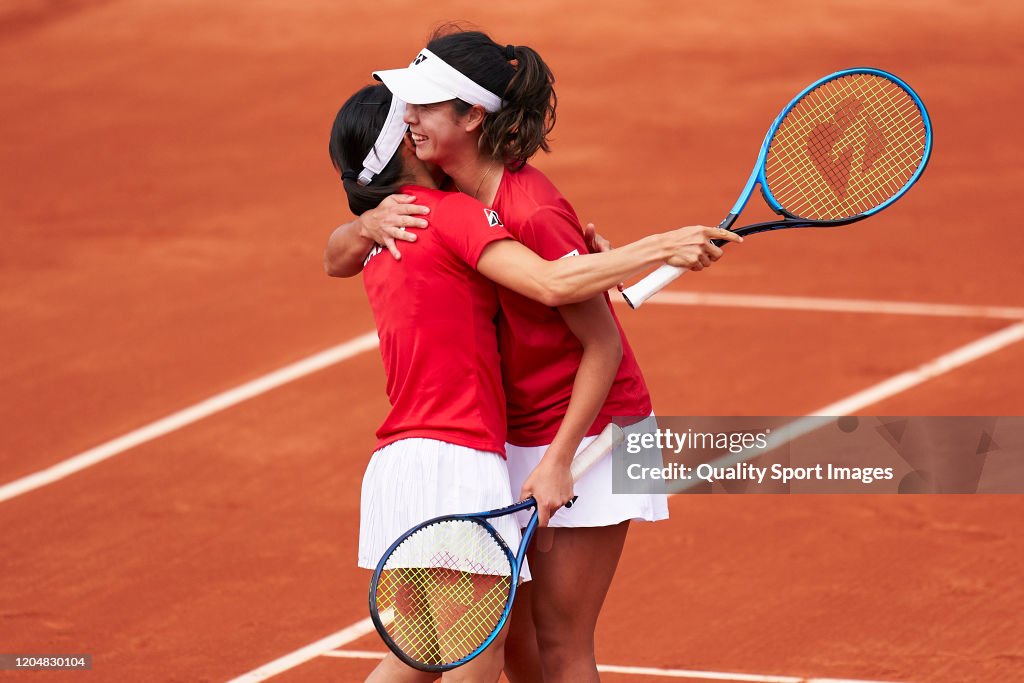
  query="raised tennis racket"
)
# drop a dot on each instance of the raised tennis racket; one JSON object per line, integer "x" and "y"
{"x": 444, "y": 590}
{"x": 845, "y": 148}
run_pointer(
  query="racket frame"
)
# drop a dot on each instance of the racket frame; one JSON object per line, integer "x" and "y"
{"x": 515, "y": 560}
{"x": 757, "y": 177}
{"x": 789, "y": 220}
{"x": 609, "y": 438}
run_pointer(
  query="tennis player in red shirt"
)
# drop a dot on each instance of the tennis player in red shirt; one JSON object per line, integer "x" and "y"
{"x": 440, "y": 448}
{"x": 479, "y": 111}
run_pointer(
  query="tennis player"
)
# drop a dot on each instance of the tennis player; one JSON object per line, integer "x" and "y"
{"x": 481, "y": 111}
{"x": 441, "y": 447}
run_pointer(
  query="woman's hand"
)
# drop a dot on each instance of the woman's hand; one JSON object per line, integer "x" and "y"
{"x": 691, "y": 246}
{"x": 388, "y": 222}
{"x": 550, "y": 484}
{"x": 595, "y": 242}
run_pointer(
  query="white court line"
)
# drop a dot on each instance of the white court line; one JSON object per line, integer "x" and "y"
{"x": 874, "y": 394}
{"x": 805, "y": 303}
{"x": 305, "y": 654}
{"x": 888, "y": 388}
{"x": 933, "y": 368}
{"x": 187, "y": 416}
{"x": 649, "y": 671}
{"x": 369, "y": 341}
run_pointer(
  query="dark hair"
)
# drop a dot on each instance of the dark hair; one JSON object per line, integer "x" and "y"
{"x": 515, "y": 133}
{"x": 354, "y": 132}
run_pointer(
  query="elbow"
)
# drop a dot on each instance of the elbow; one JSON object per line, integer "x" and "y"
{"x": 610, "y": 346}
{"x": 615, "y": 350}
{"x": 331, "y": 269}
{"x": 557, "y": 293}
{"x": 339, "y": 267}
{"x": 553, "y": 298}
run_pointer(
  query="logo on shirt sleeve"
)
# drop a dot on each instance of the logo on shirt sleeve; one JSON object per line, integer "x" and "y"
{"x": 373, "y": 252}
{"x": 492, "y": 219}
{"x": 574, "y": 252}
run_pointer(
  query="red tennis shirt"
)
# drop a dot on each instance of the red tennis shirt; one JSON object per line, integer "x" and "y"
{"x": 539, "y": 353}
{"x": 435, "y": 317}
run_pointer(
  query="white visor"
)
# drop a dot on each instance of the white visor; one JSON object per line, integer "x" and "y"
{"x": 430, "y": 79}
{"x": 388, "y": 141}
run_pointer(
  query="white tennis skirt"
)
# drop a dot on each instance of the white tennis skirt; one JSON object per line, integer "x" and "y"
{"x": 412, "y": 480}
{"x": 596, "y": 505}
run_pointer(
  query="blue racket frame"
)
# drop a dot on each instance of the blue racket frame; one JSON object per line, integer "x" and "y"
{"x": 516, "y": 562}
{"x": 757, "y": 178}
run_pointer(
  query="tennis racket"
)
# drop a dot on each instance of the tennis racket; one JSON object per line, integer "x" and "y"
{"x": 845, "y": 148}
{"x": 443, "y": 591}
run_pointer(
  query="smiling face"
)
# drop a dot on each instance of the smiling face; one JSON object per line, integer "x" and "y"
{"x": 443, "y": 136}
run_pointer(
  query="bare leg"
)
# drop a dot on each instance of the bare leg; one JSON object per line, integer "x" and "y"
{"x": 571, "y": 580}
{"x": 393, "y": 670}
{"x": 522, "y": 659}
{"x": 485, "y": 667}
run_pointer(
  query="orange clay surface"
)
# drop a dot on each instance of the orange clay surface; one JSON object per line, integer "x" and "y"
{"x": 165, "y": 195}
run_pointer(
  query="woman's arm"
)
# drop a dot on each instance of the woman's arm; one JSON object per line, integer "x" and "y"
{"x": 578, "y": 278}
{"x": 349, "y": 244}
{"x": 346, "y": 250}
{"x": 592, "y": 323}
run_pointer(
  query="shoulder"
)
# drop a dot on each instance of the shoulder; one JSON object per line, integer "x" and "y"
{"x": 457, "y": 202}
{"x": 532, "y": 195}
{"x": 461, "y": 208}
{"x": 450, "y": 208}
{"x": 535, "y": 185}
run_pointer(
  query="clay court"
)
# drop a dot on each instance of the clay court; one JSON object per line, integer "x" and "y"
{"x": 189, "y": 402}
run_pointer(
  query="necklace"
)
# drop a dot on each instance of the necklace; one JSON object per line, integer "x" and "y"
{"x": 476, "y": 195}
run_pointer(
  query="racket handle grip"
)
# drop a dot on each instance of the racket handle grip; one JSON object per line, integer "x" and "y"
{"x": 651, "y": 285}
{"x": 610, "y": 437}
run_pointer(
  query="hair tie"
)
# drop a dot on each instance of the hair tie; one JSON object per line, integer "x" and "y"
{"x": 349, "y": 175}
{"x": 510, "y": 52}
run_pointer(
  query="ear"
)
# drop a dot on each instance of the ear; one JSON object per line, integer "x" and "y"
{"x": 474, "y": 118}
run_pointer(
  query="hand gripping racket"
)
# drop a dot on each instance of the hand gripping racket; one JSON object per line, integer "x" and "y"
{"x": 845, "y": 148}
{"x": 444, "y": 590}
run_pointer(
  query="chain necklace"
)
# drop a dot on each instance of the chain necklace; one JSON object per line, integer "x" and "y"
{"x": 476, "y": 195}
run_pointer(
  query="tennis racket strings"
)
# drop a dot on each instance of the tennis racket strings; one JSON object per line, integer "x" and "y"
{"x": 846, "y": 147}
{"x": 444, "y": 590}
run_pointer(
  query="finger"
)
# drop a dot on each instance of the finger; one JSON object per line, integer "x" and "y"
{"x": 714, "y": 252}
{"x": 542, "y": 516}
{"x": 389, "y": 244}
{"x": 720, "y": 234}
{"x": 402, "y": 198}
{"x": 410, "y": 209}
{"x": 413, "y": 222}
{"x": 595, "y": 241}
{"x": 401, "y": 234}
